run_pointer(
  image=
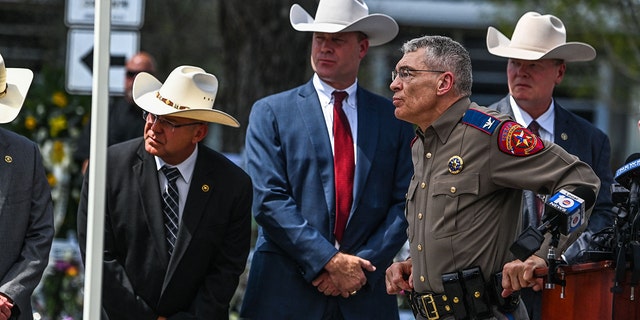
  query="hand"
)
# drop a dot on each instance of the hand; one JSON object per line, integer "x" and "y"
{"x": 325, "y": 285}
{"x": 518, "y": 274}
{"x": 5, "y": 308}
{"x": 399, "y": 277}
{"x": 346, "y": 272}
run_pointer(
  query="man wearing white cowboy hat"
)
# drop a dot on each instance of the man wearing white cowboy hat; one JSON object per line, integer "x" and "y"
{"x": 26, "y": 208}
{"x": 330, "y": 166}
{"x": 178, "y": 221}
{"x": 537, "y": 53}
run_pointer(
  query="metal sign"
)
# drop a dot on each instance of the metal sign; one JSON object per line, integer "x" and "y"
{"x": 124, "y": 13}
{"x": 124, "y": 44}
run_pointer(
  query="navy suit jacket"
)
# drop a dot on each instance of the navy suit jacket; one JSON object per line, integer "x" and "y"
{"x": 141, "y": 280}
{"x": 290, "y": 160}
{"x": 582, "y": 139}
{"x": 26, "y": 220}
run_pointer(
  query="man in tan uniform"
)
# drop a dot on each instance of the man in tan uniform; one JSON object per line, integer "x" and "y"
{"x": 463, "y": 205}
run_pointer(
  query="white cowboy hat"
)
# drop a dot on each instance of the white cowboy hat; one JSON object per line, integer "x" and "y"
{"x": 335, "y": 16}
{"x": 538, "y": 37}
{"x": 14, "y": 85}
{"x": 188, "y": 92}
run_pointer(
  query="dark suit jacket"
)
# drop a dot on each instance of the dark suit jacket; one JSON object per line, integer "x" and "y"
{"x": 290, "y": 160}
{"x": 198, "y": 281}
{"x": 580, "y": 138}
{"x": 26, "y": 220}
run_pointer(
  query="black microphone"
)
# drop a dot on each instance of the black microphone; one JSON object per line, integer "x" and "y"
{"x": 565, "y": 212}
{"x": 630, "y": 172}
{"x": 628, "y": 176}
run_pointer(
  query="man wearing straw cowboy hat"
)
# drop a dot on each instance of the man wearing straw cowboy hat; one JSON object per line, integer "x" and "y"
{"x": 177, "y": 219}
{"x": 26, "y": 208}
{"x": 330, "y": 166}
{"x": 537, "y": 53}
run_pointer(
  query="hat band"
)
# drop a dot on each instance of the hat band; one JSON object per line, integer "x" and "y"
{"x": 4, "y": 92}
{"x": 169, "y": 102}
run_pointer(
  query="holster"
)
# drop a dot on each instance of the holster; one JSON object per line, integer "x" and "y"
{"x": 471, "y": 297}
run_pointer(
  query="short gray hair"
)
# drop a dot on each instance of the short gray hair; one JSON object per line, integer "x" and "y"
{"x": 443, "y": 53}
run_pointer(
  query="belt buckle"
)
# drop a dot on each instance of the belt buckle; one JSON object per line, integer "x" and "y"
{"x": 429, "y": 305}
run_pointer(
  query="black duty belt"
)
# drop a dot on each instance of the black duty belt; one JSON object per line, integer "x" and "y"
{"x": 430, "y": 306}
{"x": 467, "y": 296}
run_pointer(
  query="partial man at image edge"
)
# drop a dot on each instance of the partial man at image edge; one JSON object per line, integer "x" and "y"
{"x": 26, "y": 206}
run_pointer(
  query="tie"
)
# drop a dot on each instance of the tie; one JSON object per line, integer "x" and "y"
{"x": 170, "y": 206}
{"x": 343, "y": 163}
{"x": 534, "y": 127}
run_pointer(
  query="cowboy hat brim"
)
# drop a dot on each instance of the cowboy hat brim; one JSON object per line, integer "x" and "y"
{"x": 498, "y": 44}
{"x": 144, "y": 92}
{"x": 379, "y": 28}
{"x": 18, "y": 83}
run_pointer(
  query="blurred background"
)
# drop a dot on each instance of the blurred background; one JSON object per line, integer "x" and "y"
{"x": 252, "y": 49}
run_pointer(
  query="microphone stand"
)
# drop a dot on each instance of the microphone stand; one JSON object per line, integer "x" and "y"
{"x": 552, "y": 275}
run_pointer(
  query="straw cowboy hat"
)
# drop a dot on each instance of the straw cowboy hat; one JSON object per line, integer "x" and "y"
{"x": 14, "y": 85}
{"x": 538, "y": 37}
{"x": 188, "y": 92}
{"x": 335, "y": 16}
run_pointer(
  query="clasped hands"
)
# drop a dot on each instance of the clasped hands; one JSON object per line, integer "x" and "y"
{"x": 343, "y": 275}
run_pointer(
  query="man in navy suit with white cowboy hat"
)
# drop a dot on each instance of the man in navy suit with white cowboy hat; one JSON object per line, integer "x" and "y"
{"x": 178, "y": 214}
{"x": 538, "y": 53}
{"x": 330, "y": 165}
{"x": 26, "y": 208}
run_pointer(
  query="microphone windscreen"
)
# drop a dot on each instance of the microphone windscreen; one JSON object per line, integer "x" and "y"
{"x": 585, "y": 193}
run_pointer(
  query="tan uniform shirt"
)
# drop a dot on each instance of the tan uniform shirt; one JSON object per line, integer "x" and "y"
{"x": 464, "y": 200}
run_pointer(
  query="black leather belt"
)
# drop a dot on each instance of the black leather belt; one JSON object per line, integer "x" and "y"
{"x": 430, "y": 306}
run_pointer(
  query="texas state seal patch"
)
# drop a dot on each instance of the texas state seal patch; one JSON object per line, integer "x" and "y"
{"x": 517, "y": 140}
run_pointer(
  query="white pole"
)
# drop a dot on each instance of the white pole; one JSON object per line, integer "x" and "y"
{"x": 97, "y": 165}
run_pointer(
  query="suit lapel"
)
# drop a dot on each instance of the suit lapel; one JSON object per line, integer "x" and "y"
{"x": 562, "y": 129}
{"x": 6, "y": 171}
{"x": 368, "y": 131}
{"x": 146, "y": 178}
{"x": 309, "y": 108}
{"x": 200, "y": 190}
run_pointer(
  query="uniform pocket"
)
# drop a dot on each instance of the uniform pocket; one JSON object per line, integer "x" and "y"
{"x": 410, "y": 204}
{"x": 451, "y": 195}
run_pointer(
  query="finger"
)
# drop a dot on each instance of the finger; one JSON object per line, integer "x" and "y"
{"x": 506, "y": 293}
{"x": 506, "y": 280}
{"x": 367, "y": 265}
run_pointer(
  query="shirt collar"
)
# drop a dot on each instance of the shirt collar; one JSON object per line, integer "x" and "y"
{"x": 324, "y": 91}
{"x": 523, "y": 118}
{"x": 185, "y": 167}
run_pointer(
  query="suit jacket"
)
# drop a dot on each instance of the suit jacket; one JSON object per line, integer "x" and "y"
{"x": 580, "y": 138}
{"x": 140, "y": 280}
{"x": 290, "y": 160}
{"x": 26, "y": 220}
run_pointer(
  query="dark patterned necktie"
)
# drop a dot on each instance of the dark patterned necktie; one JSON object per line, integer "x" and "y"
{"x": 170, "y": 207}
{"x": 534, "y": 127}
{"x": 343, "y": 163}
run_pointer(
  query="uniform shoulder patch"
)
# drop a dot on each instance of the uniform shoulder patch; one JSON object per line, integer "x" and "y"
{"x": 480, "y": 121}
{"x": 517, "y": 140}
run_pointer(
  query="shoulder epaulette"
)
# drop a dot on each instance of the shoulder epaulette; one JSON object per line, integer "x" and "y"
{"x": 481, "y": 121}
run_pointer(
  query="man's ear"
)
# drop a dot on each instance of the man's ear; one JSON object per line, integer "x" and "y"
{"x": 200, "y": 133}
{"x": 445, "y": 83}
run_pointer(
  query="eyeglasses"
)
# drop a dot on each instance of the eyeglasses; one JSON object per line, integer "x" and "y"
{"x": 153, "y": 119}
{"x": 405, "y": 73}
